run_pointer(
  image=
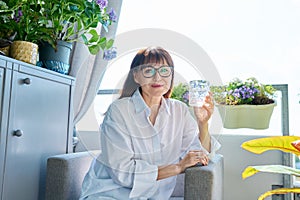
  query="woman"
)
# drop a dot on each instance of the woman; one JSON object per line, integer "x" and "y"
{"x": 146, "y": 138}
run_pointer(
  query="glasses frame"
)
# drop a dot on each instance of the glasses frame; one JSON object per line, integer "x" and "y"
{"x": 156, "y": 70}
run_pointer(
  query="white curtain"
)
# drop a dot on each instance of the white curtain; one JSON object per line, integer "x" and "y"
{"x": 89, "y": 69}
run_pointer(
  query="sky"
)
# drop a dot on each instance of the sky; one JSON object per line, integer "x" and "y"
{"x": 243, "y": 38}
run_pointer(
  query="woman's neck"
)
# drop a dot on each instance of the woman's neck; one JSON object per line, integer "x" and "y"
{"x": 154, "y": 104}
{"x": 152, "y": 101}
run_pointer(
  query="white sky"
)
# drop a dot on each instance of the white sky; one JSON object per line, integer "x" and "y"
{"x": 243, "y": 38}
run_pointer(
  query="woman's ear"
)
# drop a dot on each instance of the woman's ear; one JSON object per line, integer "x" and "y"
{"x": 135, "y": 77}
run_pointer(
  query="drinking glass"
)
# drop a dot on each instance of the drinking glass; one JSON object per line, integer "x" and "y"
{"x": 198, "y": 89}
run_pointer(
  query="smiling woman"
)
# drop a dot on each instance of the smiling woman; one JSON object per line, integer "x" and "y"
{"x": 142, "y": 122}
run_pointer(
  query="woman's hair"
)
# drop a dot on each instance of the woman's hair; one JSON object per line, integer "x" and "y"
{"x": 144, "y": 56}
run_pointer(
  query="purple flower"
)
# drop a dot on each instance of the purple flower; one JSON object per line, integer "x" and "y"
{"x": 102, "y": 3}
{"x": 186, "y": 97}
{"x": 112, "y": 15}
{"x": 18, "y": 16}
{"x": 110, "y": 54}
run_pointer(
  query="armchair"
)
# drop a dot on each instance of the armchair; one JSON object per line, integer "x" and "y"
{"x": 65, "y": 174}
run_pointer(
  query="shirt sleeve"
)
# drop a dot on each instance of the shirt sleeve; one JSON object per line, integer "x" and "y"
{"x": 191, "y": 140}
{"x": 118, "y": 156}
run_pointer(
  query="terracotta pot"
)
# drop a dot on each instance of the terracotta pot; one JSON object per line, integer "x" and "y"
{"x": 246, "y": 116}
{"x": 24, "y": 51}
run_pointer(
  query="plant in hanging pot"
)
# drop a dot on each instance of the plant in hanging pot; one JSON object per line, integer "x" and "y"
{"x": 75, "y": 20}
{"x": 24, "y": 22}
{"x": 245, "y": 104}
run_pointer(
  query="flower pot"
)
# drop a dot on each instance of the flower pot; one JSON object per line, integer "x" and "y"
{"x": 24, "y": 51}
{"x": 246, "y": 116}
{"x": 5, "y": 50}
{"x": 59, "y": 60}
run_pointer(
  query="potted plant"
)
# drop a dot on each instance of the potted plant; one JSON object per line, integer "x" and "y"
{"x": 288, "y": 144}
{"x": 5, "y": 39}
{"x": 244, "y": 104}
{"x": 55, "y": 22}
{"x": 24, "y": 22}
{"x": 74, "y": 20}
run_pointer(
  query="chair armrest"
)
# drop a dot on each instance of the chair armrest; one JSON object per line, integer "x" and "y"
{"x": 205, "y": 182}
{"x": 65, "y": 174}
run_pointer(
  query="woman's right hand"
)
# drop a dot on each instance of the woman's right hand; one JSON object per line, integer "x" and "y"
{"x": 192, "y": 158}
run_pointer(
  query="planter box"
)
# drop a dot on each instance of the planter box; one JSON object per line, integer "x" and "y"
{"x": 246, "y": 116}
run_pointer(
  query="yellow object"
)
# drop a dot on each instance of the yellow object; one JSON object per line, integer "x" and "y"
{"x": 282, "y": 143}
{"x": 5, "y": 50}
{"x": 24, "y": 51}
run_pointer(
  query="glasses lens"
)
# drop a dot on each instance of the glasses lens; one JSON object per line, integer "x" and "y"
{"x": 165, "y": 71}
{"x": 148, "y": 71}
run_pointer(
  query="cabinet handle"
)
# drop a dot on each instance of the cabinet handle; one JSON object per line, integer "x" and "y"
{"x": 18, "y": 133}
{"x": 27, "y": 81}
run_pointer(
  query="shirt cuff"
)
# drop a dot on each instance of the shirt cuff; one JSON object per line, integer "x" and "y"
{"x": 214, "y": 147}
{"x": 144, "y": 183}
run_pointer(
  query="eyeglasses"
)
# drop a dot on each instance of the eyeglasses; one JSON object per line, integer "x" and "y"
{"x": 149, "y": 71}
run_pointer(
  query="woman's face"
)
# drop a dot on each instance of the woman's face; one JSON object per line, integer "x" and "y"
{"x": 155, "y": 79}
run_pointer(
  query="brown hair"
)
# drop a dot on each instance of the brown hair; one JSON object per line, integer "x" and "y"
{"x": 144, "y": 56}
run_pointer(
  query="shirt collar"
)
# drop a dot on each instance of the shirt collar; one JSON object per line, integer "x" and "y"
{"x": 140, "y": 104}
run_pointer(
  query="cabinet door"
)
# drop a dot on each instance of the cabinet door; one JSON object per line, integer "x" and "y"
{"x": 38, "y": 128}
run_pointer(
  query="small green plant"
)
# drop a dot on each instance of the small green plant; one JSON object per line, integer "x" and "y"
{"x": 181, "y": 93}
{"x": 23, "y": 20}
{"x": 288, "y": 144}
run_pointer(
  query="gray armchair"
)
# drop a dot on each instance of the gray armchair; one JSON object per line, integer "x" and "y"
{"x": 65, "y": 174}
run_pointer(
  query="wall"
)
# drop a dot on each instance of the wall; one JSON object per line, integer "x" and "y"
{"x": 237, "y": 159}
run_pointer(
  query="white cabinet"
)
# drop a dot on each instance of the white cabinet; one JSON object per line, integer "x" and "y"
{"x": 36, "y": 122}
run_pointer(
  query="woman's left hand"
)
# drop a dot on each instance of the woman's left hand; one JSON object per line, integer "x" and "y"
{"x": 204, "y": 113}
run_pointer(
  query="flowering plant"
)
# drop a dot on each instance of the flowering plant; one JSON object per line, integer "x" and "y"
{"x": 23, "y": 20}
{"x": 239, "y": 92}
{"x": 72, "y": 20}
{"x": 50, "y": 21}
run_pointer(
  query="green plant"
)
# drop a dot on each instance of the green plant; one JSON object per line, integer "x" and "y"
{"x": 50, "y": 21}
{"x": 79, "y": 20}
{"x": 288, "y": 144}
{"x": 181, "y": 93}
{"x": 23, "y": 20}
{"x": 239, "y": 92}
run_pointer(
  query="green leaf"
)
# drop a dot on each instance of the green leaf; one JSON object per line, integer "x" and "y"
{"x": 279, "y": 169}
{"x": 279, "y": 191}
{"x": 109, "y": 44}
{"x": 85, "y": 40}
{"x": 95, "y": 36}
{"x": 282, "y": 143}
{"x": 94, "y": 49}
{"x": 102, "y": 43}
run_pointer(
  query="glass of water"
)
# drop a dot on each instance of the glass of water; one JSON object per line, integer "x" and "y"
{"x": 198, "y": 89}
